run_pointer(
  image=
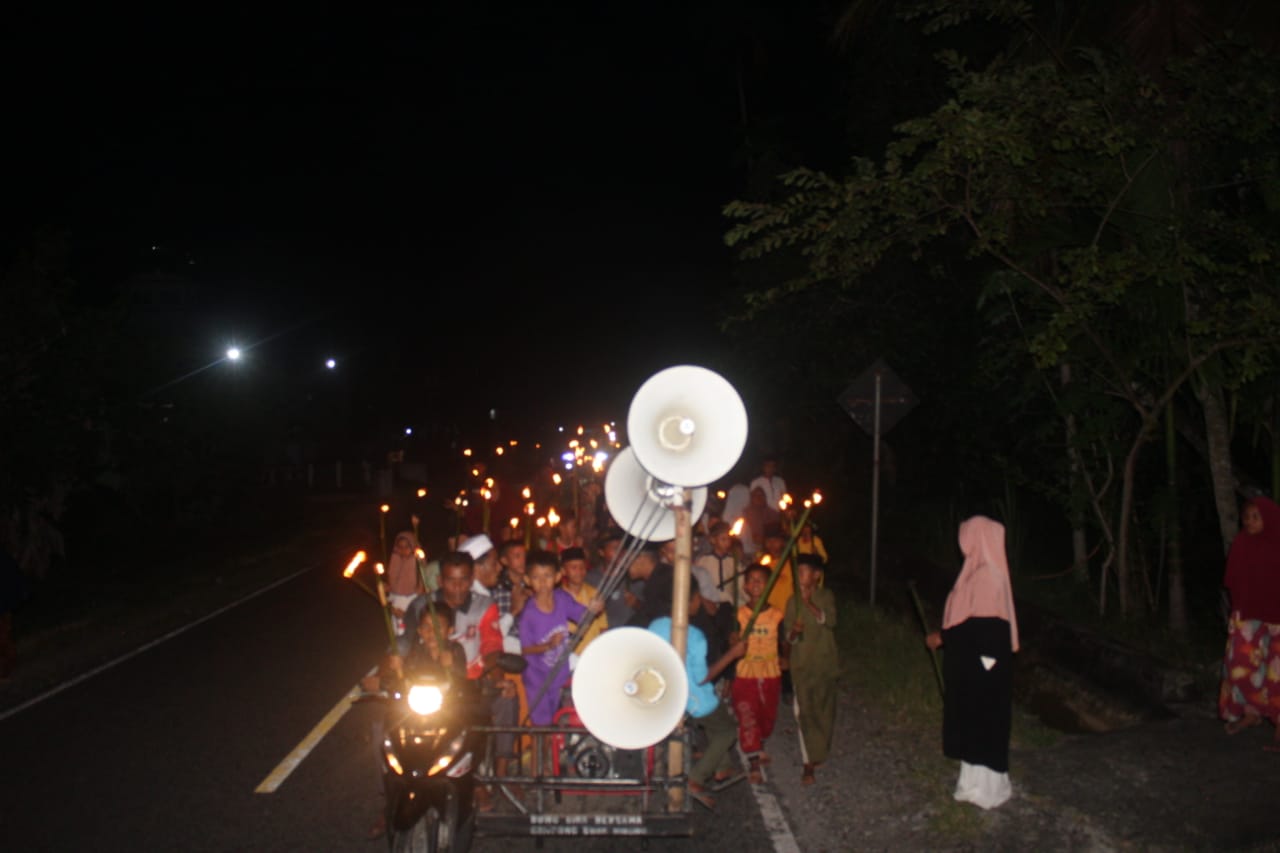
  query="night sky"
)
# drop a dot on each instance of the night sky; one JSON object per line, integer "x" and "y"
{"x": 496, "y": 189}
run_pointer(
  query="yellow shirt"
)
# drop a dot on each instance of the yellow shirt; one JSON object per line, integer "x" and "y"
{"x": 783, "y": 588}
{"x": 601, "y": 623}
{"x": 761, "y": 659}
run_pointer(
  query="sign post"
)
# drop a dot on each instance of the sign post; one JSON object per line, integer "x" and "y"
{"x": 876, "y": 401}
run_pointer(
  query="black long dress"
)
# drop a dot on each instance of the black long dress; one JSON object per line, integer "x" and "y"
{"x": 979, "y": 702}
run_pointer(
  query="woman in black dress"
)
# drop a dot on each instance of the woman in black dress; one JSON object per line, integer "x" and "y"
{"x": 980, "y": 633}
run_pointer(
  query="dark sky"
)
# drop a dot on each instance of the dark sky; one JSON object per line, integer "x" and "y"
{"x": 538, "y": 181}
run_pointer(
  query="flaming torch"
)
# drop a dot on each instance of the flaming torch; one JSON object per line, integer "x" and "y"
{"x": 382, "y": 527}
{"x": 809, "y": 504}
{"x": 530, "y": 511}
{"x": 380, "y": 571}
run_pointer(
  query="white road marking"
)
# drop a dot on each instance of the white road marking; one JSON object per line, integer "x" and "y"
{"x": 85, "y": 676}
{"x": 775, "y": 821}
{"x": 291, "y": 761}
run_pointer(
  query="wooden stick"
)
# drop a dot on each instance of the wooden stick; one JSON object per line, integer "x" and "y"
{"x": 933, "y": 653}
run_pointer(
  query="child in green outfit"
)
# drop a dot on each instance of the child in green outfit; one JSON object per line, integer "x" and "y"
{"x": 809, "y": 626}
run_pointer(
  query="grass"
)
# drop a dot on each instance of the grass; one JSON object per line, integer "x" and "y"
{"x": 884, "y": 660}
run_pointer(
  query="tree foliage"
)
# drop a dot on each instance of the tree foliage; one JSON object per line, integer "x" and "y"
{"x": 1121, "y": 224}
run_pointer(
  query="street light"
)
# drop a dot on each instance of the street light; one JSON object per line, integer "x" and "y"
{"x": 331, "y": 363}
{"x": 233, "y": 353}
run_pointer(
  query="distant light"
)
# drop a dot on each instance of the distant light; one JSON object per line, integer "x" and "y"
{"x": 493, "y": 414}
{"x": 408, "y": 430}
{"x": 559, "y": 429}
{"x": 567, "y": 456}
{"x": 331, "y": 363}
{"x": 233, "y": 354}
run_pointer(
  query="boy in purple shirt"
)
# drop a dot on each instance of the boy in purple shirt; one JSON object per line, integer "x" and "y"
{"x": 544, "y": 628}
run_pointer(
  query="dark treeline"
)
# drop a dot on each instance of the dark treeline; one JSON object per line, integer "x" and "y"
{"x": 1058, "y": 223}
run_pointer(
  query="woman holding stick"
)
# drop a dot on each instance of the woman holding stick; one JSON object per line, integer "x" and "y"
{"x": 980, "y": 633}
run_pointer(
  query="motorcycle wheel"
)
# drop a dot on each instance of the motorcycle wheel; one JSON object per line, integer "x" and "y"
{"x": 455, "y": 834}
{"x": 422, "y": 837}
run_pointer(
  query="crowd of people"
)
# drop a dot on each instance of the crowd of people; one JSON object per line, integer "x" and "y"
{"x": 761, "y": 630}
{"x": 755, "y": 621}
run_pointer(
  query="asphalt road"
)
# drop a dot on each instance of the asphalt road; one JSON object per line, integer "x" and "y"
{"x": 164, "y": 751}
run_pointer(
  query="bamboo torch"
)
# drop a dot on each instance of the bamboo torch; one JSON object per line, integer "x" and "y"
{"x": 380, "y": 571}
{"x": 782, "y": 561}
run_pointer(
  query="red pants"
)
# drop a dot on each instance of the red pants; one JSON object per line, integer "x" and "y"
{"x": 755, "y": 701}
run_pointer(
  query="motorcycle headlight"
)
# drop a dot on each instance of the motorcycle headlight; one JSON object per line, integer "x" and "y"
{"x": 425, "y": 698}
{"x": 449, "y": 754}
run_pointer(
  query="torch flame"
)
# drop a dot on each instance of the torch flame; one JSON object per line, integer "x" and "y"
{"x": 420, "y": 554}
{"x": 525, "y": 493}
{"x": 720, "y": 494}
{"x": 553, "y": 518}
{"x": 467, "y": 452}
{"x": 529, "y": 508}
{"x": 785, "y": 502}
{"x": 555, "y": 478}
{"x": 359, "y": 558}
{"x": 422, "y": 493}
{"x": 379, "y": 568}
{"x": 488, "y": 481}
{"x": 736, "y": 530}
{"x": 515, "y": 522}
{"x": 817, "y": 497}
{"x": 385, "y": 508}
{"x": 766, "y": 560}
{"x": 541, "y": 522}
{"x": 498, "y": 451}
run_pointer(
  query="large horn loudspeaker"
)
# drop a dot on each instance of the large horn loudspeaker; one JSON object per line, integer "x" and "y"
{"x": 630, "y": 688}
{"x": 687, "y": 425}
{"x": 636, "y": 500}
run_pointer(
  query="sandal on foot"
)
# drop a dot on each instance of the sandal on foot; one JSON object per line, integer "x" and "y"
{"x": 754, "y": 774}
{"x": 764, "y": 758}
{"x": 722, "y": 783}
{"x": 702, "y": 796}
{"x": 1248, "y": 721}
{"x": 807, "y": 777}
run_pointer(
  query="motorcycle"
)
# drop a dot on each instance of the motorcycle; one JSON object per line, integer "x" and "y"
{"x": 430, "y": 752}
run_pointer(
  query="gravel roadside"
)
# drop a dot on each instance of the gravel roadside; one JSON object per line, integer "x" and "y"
{"x": 1178, "y": 784}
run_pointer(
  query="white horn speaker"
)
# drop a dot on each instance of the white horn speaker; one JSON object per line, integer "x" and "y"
{"x": 630, "y": 688}
{"x": 687, "y": 425}
{"x": 641, "y": 504}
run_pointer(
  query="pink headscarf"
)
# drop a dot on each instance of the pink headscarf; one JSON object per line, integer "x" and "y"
{"x": 402, "y": 572}
{"x": 983, "y": 586}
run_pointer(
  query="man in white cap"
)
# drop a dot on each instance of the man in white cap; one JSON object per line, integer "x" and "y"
{"x": 487, "y": 574}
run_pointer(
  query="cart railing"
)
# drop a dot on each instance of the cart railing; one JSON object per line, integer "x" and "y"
{"x": 564, "y": 782}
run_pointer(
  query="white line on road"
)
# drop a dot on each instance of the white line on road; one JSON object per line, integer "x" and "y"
{"x": 85, "y": 676}
{"x": 291, "y": 761}
{"x": 775, "y": 821}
